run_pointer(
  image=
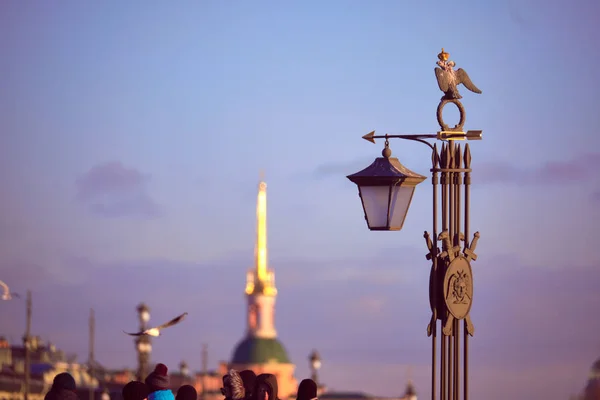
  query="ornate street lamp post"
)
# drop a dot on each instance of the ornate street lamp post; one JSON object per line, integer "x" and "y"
{"x": 386, "y": 188}
{"x": 27, "y": 346}
{"x": 143, "y": 343}
{"x": 315, "y": 365}
{"x": 204, "y": 370}
{"x": 184, "y": 369}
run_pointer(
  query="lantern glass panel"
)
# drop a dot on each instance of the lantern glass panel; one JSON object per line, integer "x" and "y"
{"x": 386, "y": 206}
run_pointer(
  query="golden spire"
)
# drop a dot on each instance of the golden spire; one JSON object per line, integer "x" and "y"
{"x": 260, "y": 250}
{"x": 263, "y": 279}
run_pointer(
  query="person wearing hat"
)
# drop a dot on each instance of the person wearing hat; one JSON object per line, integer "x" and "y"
{"x": 238, "y": 391}
{"x": 307, "y": 390}
{"x": 233, "y": 386}
{"x": 135, "y": 390}
{"x": 63, "y": 388}
{"x": 265, "y": 387}
{"x": 158, "y": 383}
{"x": 248, "y": 377}
{"x": 226, "y": 389}
{"x": 187, "y": 392}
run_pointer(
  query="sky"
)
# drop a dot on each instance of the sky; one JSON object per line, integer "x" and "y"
{"x": 132, "y": 136}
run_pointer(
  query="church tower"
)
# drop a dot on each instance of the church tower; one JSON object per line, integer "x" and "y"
{"x": 260, "y": 350}
{"x": 260, "y": 280}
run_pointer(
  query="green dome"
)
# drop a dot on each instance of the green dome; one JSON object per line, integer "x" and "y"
{"x": 254, "y": 350}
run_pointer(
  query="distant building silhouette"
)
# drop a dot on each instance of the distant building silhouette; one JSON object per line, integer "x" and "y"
{"x": 591, "y": 390}
{"x": 46, "y": 363}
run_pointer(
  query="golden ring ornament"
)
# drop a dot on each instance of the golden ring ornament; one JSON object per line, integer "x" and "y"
{"x": 462, "y": 115}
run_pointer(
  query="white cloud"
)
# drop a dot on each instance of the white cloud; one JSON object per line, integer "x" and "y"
{"x": 372, "y": 306}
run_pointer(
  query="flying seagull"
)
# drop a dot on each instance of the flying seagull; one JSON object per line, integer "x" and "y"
{"x": 156, "y": 331}
{"x": 6, "y": 294}
{"x": 448, "y": 79}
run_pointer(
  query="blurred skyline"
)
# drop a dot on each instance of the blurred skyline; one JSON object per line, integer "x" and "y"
{"x": 132, "y": 136}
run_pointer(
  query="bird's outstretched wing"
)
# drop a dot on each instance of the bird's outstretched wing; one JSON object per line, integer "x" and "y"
{"x": 442, "y": 79}
{"x": 463, "y": 77}
{"x": 134, "y": 334}
{"x": 172, "y": 322}
{"x": 4, "y": 288}
{"x": 237, "y": 385}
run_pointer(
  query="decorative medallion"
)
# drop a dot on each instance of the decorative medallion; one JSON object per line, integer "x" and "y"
{"x": 458, "y": 287}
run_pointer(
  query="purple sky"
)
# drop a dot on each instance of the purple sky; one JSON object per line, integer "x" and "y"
{"x": 131, "y": 139}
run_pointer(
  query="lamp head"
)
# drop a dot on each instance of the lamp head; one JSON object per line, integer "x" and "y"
{"x": 315, "y": 360}
{"x": 143, "y": 312}
{"x": 386, "y": 189}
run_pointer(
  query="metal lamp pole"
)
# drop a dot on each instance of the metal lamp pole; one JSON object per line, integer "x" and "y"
{"x": 27, "y": 346}
{"x": 184, "y": 370}
{"x": 143, "y": 343}
{"x": 204, "y": 370}
{"x": 386, "y": 188}
{"x": 91, "y": 357}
